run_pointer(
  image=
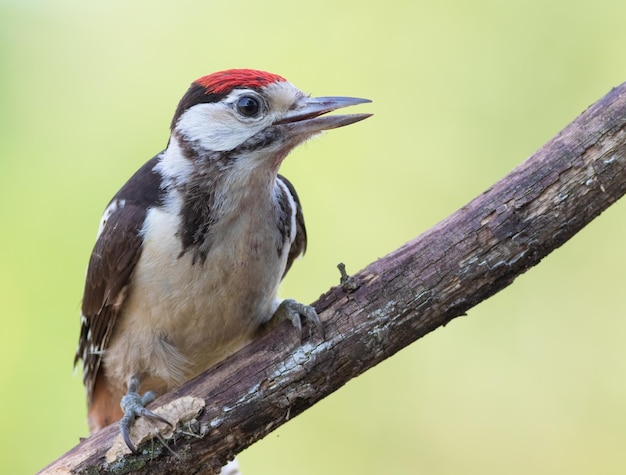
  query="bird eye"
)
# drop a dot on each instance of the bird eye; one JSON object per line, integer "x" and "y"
{"x": 248, "y": 106}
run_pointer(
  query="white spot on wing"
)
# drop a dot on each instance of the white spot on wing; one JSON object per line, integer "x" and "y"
{"x": 112, "y": 208}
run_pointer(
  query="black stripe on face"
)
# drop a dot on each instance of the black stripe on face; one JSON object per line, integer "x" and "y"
{"x": 265, "y": 138}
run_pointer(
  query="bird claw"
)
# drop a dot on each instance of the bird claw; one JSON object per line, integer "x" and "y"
{"x": 133, "y": 405}
{"x": 294, "y": 311}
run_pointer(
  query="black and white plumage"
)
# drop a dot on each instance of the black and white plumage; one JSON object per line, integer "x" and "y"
{"x": 191, "y": 250}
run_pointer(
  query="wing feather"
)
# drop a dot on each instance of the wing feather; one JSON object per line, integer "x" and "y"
{"x": 115, "y": 254}
{"x": 298, "y": 247}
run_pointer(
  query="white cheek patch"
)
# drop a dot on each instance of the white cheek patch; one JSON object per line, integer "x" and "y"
{"x": 215, "y": 127}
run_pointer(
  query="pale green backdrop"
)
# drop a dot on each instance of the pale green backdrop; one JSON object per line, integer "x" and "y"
{"x": 532, "y": 381}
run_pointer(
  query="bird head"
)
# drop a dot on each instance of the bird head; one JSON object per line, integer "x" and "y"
{"x": 253, "y": 114}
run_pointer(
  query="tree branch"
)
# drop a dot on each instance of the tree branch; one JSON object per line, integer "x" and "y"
{"x": 438, "y": 276}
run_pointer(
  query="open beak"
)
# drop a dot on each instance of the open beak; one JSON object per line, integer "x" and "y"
{"x": 305, "y": 120}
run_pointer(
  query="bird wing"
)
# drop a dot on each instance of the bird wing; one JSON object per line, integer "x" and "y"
{"x": 298, "y": 246}
{"x": 115, "y": 254}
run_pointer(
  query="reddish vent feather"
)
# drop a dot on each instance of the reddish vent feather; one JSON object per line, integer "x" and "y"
{"x": 224, "y": 81}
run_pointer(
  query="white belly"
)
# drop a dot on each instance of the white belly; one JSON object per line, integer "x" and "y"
{"x": 181, "y": 317}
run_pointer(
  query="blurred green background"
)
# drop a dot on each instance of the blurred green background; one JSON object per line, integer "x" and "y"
{"x": 533, "y": 381}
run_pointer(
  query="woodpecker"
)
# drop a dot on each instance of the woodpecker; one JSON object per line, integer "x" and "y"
{"x": 191, "y": 250}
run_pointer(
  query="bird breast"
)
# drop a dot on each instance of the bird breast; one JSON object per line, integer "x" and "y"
{"x": 183, "y": 314}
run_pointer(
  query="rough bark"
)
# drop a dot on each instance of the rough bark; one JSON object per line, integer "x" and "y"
{"x": 438, "y": 276}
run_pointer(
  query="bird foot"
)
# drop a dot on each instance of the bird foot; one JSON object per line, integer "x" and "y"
{"x": 133, "y": 405}
{"x": 294, "y": 311}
